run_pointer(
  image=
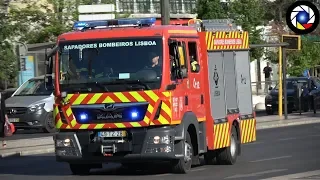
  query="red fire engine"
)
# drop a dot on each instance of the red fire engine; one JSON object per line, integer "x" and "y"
{"x": 133, "y": 92}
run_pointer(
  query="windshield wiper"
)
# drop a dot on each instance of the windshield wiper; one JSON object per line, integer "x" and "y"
{"x": 129, "y": 81}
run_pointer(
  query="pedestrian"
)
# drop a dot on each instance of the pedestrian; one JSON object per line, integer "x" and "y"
{"x": 267, "y": 76}
{"x": 306, "y": 73}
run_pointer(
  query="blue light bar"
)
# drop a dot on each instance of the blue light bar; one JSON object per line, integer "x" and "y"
{"x": 115, "y": 22}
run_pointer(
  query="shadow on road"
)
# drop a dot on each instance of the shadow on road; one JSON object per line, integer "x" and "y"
{"x": 44, "y": 165}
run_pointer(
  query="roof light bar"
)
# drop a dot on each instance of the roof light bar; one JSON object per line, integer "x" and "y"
{"x": 115, "y": 23}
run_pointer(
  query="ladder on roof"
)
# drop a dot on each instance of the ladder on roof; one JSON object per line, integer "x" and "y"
{"x": 214, "y": 25}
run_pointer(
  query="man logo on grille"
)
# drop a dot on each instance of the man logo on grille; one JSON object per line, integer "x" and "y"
{"x": 109, "y": 106}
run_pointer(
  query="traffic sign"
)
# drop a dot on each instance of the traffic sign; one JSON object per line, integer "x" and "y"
{"x": 294, "y": 41}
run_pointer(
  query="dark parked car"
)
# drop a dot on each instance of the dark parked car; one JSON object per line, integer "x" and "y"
{"x": 310, "y": 91}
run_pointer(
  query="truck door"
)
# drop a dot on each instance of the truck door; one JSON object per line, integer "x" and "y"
{"x": 180, "y": 101}
{"x": 196, "y": 95}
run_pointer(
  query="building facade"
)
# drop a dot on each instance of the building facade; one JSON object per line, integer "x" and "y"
{"x": 144, "y": 8}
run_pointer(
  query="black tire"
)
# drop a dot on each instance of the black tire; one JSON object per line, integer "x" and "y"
{"x": 269, "y": 112}
{"x": 80, "y": 169}
{"x": 183, "y": 165}
{"x": 49, "y": 124}
{"x": 210, "y": 157}
{"x": 228, "y": 155}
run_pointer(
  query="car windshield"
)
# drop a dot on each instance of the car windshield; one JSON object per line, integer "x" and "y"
{"x": 291, "y": 83}
{"x": 110, "y": 61}
{"x": 33, "y": 87}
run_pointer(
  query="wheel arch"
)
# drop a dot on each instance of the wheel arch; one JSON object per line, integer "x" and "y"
{"x": 189, "y": 123}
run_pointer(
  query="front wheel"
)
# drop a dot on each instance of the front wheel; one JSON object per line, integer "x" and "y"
{"x": 228, "y": 155}
{"x": 49, "y": 125}
{"x": 183, "y": 165}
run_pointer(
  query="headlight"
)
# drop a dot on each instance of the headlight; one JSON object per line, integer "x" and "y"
{"x": 268, "y": 97}
{"x": 35, "y": 108}
{"x": 63, "y": 143}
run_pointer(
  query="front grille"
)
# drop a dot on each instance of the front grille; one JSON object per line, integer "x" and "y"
{"x": 16, "y": 110}
{"x": 121, "y": 113}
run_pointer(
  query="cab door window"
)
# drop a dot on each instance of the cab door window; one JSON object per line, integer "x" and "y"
{"x": 193, "y": 56}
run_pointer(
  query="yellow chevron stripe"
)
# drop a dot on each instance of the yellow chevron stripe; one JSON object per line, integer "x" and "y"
{"x": 108, "y": 100}
{"x": 152, "y": 95}
{"x": 162, "y": 120}
{"x": 73, "y": 122}
{"x": 121, "y": 97}
{"x": 69, "y": 112}
{"x": 166, "y": 109}
{"x": 135, "y": 124}
{"x": 99, "y": 126}
{"x": 59, "y": 124}
{"x": 80, "y": 98}
{"x": 248, "y": 130}
{"x": 137, "y": 96}
{"x": 150, "y": 109}
{"x": 222, "y": 135}
{"x": 120, "y": 125}
{"x": 84, "y": 126}
{"x": 166, "y": 94}
{"x": 94, "y": 98}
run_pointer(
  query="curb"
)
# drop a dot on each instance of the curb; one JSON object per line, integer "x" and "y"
{"x": 286, "y": 124}
{"x": 27, "y": 153}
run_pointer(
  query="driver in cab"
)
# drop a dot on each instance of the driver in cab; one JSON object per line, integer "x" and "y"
{"x": 155, "y": 63}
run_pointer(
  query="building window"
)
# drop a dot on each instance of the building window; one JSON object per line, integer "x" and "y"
{"x": 190, "y": 6}
{"x": 175, "y": 6}
{"x": 126, "y": 6}
{"x": 143, "y": 6}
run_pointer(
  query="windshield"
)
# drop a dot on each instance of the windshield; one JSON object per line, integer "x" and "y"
{"x": 291, "y": 83}
{"x": 33, "y": 87}
{"x": 106, "y": 62}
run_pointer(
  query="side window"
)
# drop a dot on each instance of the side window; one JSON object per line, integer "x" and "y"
{"x": 193, "y": 56}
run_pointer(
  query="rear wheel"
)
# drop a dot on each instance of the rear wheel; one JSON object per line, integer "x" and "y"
{"x": 228, "y": 155}
{"x": 183, "y": 165}
{"x": 80, "y": 169}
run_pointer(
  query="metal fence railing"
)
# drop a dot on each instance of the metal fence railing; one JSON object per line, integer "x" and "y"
{"x": 262, "y": 87}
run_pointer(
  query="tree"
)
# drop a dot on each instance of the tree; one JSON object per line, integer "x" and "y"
{"x": 306, "y": 58}
{"x": 8, "y": 67}
{"x": 249, "y": 14}
{"x": 211, "y": 9}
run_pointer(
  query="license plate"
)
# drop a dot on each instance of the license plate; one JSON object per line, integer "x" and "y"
{"x": 112, "y": 134}
{"x": 13, "y": 120}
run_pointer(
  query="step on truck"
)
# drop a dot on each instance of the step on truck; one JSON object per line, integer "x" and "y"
{"x": 132, "y": 92}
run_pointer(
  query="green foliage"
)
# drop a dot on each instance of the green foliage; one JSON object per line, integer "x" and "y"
{"x": 307, "y": 57}
{"x": 8, "y": 67}
{"x": 211, "y": 9}
{"x": 247, "y": 13}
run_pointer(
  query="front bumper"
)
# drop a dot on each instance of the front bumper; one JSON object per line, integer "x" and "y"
{"x": 138, "y": 146}
{"x": 29, "y": 120}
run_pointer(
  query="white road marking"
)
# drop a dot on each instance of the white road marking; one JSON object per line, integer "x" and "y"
{"x": 199, "y": 169}
{"x": 305, "y": 175}
{"x": 253, "y": 143}
{"x": 159, "y": 175}
{"x": 270, "y": 159}
{"x": 243, "y": 176}
{"x": 286, "y": 139}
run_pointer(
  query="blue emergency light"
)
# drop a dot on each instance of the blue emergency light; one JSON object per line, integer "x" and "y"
{"x": 115, "y": 22}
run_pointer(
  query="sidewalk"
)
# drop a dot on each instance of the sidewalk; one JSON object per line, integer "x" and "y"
{"x": 32, "y": 146}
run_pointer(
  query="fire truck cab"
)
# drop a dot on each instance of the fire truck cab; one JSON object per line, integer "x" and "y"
{"x": 132, "y": 92}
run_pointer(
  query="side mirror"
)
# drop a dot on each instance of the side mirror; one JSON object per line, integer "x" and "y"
{"x": 270, "y": 88}
{"x": 48, "y": 81}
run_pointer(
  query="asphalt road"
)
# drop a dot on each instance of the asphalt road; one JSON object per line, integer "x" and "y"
{"x": 277, "y": 152}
